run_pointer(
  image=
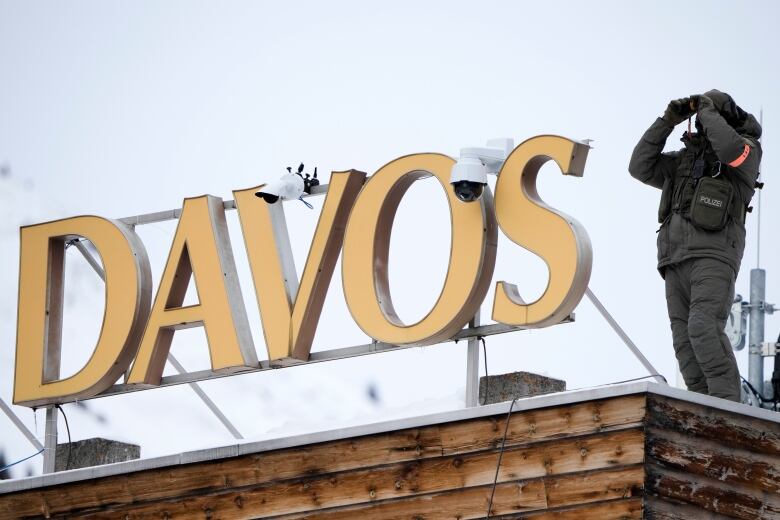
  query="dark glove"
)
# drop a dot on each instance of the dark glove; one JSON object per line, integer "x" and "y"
{"x": 704, "y": 102}
{"x": 719, "y": 99}
{"x": 678, "y": 111}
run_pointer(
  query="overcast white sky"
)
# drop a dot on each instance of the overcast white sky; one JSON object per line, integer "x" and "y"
{"x": 120, "y": 108}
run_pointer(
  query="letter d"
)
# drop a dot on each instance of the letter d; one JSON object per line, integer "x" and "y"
{"x": 39, "y": 323}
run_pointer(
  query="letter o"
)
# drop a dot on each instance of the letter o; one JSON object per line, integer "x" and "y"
{"x": 366, "y": 254}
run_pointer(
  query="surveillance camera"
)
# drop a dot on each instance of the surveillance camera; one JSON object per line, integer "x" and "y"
{"x": 288, "y": 187}
{"x": 469, "y": 174}
{"x": 468, "y": 191}
{"x": 468, "y": 179}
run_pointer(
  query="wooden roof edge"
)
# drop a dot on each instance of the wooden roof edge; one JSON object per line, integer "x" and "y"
{"x": 250, "y": 447}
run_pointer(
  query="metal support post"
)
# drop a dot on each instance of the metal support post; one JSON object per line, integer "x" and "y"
{"x": 20, "y": 425}
{"x": 756, "y": 338}
{"x": 90, "y": 259}
{"x": 50, "y": 440}
{"x": 206, "y": 400}
{"x": 472, "y": 366}
{"x": 620, "y": 332}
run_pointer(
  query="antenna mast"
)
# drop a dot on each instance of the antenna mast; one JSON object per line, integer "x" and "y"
{"x": 758, "y": 240}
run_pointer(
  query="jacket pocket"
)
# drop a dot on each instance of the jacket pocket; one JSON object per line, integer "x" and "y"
{"x": 711, "y": 203}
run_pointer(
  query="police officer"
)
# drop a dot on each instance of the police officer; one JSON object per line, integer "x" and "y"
{"x": 706, "y": 188}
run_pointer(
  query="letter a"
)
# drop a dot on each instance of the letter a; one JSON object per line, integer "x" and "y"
{"x": 201, "y": 248}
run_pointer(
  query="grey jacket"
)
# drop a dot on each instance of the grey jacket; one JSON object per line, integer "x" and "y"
{"x": 726, "y": 134}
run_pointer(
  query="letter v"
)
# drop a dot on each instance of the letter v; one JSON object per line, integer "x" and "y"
{"x": 290, "y": 312}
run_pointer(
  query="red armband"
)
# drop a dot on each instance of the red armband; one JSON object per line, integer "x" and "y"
{"x": 739, "y": 160}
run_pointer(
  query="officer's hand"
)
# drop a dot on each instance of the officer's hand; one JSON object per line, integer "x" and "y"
{"x": 719, "y": 99}
{"x": 704, "y": 102}
{"x": 678, "y": 111}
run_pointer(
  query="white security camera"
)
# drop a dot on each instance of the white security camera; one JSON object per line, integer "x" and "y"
{"x": 290, "y": 186}
{"x": 469, "y": 174}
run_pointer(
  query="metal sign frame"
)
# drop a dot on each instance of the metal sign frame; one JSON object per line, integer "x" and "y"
{"x": 472, "y": 334}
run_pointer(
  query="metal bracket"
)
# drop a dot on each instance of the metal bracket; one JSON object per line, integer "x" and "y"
{"x": 770, "y": 349}
{"x": 766, "y": 308}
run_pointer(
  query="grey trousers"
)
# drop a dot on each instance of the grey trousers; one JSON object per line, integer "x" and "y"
{"x": 699, "y": 294}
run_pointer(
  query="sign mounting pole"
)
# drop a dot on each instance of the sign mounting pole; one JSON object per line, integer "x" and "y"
{"x": 472, "y": 366}
{"x": 50, "y": 439}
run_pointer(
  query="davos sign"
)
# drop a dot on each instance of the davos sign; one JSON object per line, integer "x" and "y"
{"x": 356, "y": 221}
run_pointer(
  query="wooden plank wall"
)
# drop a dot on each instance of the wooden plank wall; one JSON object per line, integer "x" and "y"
{"x": 707, "y": 463}
{"x": 581, "y": 461}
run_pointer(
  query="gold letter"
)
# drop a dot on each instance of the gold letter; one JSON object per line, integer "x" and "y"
{"x": 559, "y": 239}
{"x": 41, "y": 288}
{"x": 289, "y": 313}
{"x": 201, "y": 248}
{"x": 367, "y": 243}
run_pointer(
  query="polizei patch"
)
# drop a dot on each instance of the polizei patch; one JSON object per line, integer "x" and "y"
{"x": 709, "y": 201}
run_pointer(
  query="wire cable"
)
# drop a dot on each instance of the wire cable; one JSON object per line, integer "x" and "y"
{"x": 20, "y": 461}
{"x": 757, "y": 394}
{"x": 509, "y": 415}
{"x": 67, "y": 427}
{"x": 618, "y": 382}
{"x": 752, "y": 389}
{"x": 638, "y": 379}
{"x": 506, "y": 428}
{"x": 500, "y": 455}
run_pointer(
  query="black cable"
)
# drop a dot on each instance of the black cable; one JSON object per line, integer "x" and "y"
{"x": 509, "y": 415}
{"x": 4, "y": 468}
{"x": 639, "y": 379}
{"x": 620, "y": 382}
{"x": 487, "y": 383}
{"x": 500, "y": 454}
{"x": 67, "y": 427}
{"x": 753, "y": 389}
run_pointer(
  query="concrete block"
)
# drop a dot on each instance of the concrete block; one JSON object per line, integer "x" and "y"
{"x": 94, "y": 452}
{"x": 505, "y": 387}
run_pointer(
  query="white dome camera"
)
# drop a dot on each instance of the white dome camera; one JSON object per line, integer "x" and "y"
{"x": 469, "y": 174}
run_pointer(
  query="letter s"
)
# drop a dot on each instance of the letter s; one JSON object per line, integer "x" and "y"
{"x": 557, "y": 238}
